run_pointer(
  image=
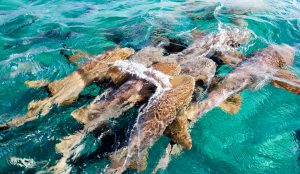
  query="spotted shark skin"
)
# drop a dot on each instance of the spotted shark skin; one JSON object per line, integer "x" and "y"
{"x": 107, "y": 106}
{"x": 152, "y": 123}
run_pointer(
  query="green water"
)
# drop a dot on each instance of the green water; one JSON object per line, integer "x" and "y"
{"x": 261, "y": 138}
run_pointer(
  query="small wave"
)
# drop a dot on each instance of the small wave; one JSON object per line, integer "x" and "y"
{"x": 23, "y": 162}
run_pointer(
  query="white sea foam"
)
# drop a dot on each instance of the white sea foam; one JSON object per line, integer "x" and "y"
{"x": 157, "y": 78}
{"x": 253, "y": 5}
{"x": 149, "y": 74}
{"x": 22, "y": 162}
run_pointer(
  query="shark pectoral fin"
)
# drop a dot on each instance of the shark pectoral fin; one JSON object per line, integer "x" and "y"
{"x": 178, "y": 132}
{"x": 74, "y": 55}
{"x": 176, "y": 149}
{"x": 70, "y": 100}
{"x": 232, "y": 105}
{"x": 287, "y": 80}
{"x": 140, "y": 164}
{"x": 64, "y": 147}
{"x": 171, "y": 69}
{"x": 37, "y": 83}
{"x": 66, "y": 143}
{"x": 215, "y": 82}
{"x": 81, "y": 115}
{"x": 40, "y": 107}
{"x": 232, "y": 58}
{"x": 78, "y": 56}
{"x": 66, "y": 84}
{"x": 118, "y": 161}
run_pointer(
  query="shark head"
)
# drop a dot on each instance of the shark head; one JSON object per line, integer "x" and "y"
{"x": 285, "y": 54}
{"x": 278, "y": 55}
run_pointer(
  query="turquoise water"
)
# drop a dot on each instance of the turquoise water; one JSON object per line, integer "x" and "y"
{"x": 261, "y": 138}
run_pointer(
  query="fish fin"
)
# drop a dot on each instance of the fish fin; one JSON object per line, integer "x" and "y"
{"x": 140, "y": 164}
{"x": 37, "y": 83}
{"x": 65, "y": 147}
{"x": 35, "y": 108}
{"x": 164, "y": 161}
{"x": 179, "y": 133}
{"x": 215, "y": 82}
{"x": 287, "y": 80}
{"x": 65, "y": 144}
{"x": 75, "y": 56}
{"x": 181, "y": 80}
{"x": 70, "y": 100}
{"x": 116, "y": 75}
{"x": 171, "y": 69}
{"x": 232, "y": 105}
{"x": 176, "y": 149}
{"x": 78, "y": 56}
{"x": 232, "y": 59}
{"x": 118, "y": 158}
{"x": 81, "y": 115}
{"x": 67, "y": 83}
{"x": 118, "y": 161}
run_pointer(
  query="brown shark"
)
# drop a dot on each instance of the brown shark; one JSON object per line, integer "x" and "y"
{"x": 152, "y": 122}
{"x": 112, "y": 104}
{"x": 66, "y": 90}
{"x": 266, "y": 65}
{"x": 201, "y": 68}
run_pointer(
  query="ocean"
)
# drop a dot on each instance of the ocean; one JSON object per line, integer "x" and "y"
{"x": 262, "y": 138}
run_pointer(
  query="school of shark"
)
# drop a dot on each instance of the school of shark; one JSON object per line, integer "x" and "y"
{"x": 171, "y": 91}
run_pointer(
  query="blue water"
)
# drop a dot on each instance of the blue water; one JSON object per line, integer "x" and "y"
{"x": 262, "y": 138}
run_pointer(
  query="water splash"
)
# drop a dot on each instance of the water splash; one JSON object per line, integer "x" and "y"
{"x": 23, "y": 162}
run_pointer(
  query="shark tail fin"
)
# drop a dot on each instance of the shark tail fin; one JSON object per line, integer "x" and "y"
{"x": 232, "y": 105}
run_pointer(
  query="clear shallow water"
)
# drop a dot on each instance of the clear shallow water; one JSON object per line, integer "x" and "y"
{"x": 261, "y": 138}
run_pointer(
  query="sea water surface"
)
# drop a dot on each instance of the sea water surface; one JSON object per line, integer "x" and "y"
{"x": 262, "y": 138}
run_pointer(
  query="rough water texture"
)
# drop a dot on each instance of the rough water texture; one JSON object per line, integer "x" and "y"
{"x": 262, "y": 138}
